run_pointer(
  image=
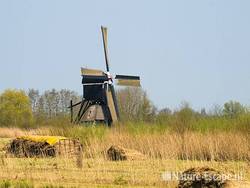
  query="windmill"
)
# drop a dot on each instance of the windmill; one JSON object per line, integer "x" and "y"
{"x": 99, "y": 103}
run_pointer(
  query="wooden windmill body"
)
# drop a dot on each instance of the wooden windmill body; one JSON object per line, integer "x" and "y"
{"x": 99, "y": 103}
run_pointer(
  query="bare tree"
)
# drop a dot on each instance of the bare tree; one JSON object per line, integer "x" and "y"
{"x": 233, "y": 109}
{"x": 134, "y": 104}
{"x": 52, "y": 103}
{"x": 34, "y": 98}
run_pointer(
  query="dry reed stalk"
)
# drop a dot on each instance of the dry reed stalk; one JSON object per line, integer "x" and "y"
{"x": 195, "y": 146}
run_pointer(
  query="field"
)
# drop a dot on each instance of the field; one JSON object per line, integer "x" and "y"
{"x": 165, "y": 151}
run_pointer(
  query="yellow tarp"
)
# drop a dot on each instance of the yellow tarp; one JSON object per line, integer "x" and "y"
{"x": 51, "y": 140}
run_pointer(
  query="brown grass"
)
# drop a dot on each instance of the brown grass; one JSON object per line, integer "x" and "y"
{"x": 229, "y": 152}
{"x": 6, "y": 132}
{"x": 96, "y": 172}
{"x": 191, "y": 145}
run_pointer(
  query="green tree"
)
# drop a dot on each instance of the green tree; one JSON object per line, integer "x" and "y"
{"x": 164, "y": 116}
{"x": 233, "y": 109}
{"x": 15, "y": 109}
{"x": 147, "y": 110}
{"x": 184, "y": 117}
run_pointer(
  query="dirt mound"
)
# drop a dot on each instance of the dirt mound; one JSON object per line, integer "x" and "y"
{"x": 26, "y": 148}
{"x": 118, "y": 153}
{"x": 203, "y": 177}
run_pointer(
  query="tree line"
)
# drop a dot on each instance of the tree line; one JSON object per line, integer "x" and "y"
{"x": 51, "y": 103}
{"x": 20, "y": 108}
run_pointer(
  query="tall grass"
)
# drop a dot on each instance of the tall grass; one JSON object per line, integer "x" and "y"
{"x": 202, "y": 138}
{"x": 159, "y": 143}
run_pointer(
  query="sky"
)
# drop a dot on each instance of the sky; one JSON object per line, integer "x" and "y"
{"x": 196, "y": 51}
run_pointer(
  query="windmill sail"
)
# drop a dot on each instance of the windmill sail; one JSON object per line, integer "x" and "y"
{"x": 111, "y": 104}
{"x": 125, "y": 80}
{"x": 105, "y": 44}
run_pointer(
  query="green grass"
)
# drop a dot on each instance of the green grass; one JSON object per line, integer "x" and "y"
{"x": 16, "y": 184}
{"x": 172, "y": 124}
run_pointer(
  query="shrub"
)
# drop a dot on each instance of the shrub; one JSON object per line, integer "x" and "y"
{"x": 15, "y": 109}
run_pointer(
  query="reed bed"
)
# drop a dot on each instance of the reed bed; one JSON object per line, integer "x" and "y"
{"x": 190, "y": 145}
